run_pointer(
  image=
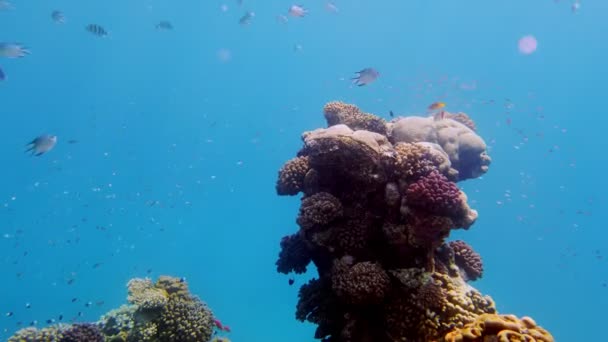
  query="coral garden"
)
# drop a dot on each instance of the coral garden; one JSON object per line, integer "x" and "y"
{"x": 164, "y": 311}
{"x": 379, "y": 200}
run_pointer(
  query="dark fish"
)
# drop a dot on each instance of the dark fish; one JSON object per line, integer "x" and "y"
{"x": 58, "y": 17}
{"x": 2, "y": 75}
{"x": 96, "y": 265}
{"x": 96, "y": 30}
{"x": 72, "y": 141}
{"x": 291, "y": 281}
{"x": 164, "y": 25}
{"x": 391, "y": 114}
{"x": 60, "y": 317}
{"x": 9, "y": 314}
{"x": 74, "y": 300}
{"x": 246, "y": 18}
{"x": 41, "y": 144}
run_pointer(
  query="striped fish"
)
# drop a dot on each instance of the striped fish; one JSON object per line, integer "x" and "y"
{"x": 96, "y": 30}
{"x": 164, "y": 25}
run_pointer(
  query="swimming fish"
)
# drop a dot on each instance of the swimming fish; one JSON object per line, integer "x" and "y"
{"x": 436, "y": 106}
{"x": 96, "y": 30}
{"x": 365, "y": 76}
{"x": 13, "y": 50}
{"x": 41, "y": 145}
{"x": 297, "y": 11}
{"x": 2, "y": 75}
{"x": 58, "y": 17}
{"x": 164, "y": 25}
{"x": 576, "y": 5}
{"x": 291, "y": 281}
{"x": 5, "y": 5}
{"x": 246, "y": 18}
{"x": 330, "y": 7}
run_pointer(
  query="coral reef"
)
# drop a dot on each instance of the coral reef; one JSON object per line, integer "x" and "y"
{"x": 500, "y": 328}
{"x": 379, "y": 200}
{"x": 164, "y": 311}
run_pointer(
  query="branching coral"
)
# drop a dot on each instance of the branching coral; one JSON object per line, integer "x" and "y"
{"x": 467, "y": 259}
{"x": 379, "y": 203}
{"x": 292, "y": 176}
{"x": 164, "y": 311}
{"x": 342, "y": 113}
{"x": 294, "y": 256}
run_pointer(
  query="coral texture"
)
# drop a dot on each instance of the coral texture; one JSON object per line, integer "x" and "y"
{"x": 499, "y": 328}
{"x": 380, "y": 199}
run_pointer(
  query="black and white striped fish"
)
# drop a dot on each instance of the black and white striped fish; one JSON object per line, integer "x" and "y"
{"x": 164, "y": 25}
{"x": 96, "y": 30}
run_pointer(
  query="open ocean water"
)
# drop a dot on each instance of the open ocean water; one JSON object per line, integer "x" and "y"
{"x": 169, "y": 143}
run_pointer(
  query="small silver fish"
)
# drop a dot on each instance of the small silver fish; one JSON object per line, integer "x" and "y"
{"x": 6, "y": 6}
{"x": 246, "y": 18}
{"x": 41, "y": 144}
{"x": 96, "y": 30}
{"x": 58, "y": 17}
{"x": 13, "y": 50}
{"x": 164, "y": 25}
{"x": 365, "y": 76}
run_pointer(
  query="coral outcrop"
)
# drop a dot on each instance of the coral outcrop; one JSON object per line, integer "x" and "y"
{"x": 379, "y": 201}
{"x": 161, "y": 311}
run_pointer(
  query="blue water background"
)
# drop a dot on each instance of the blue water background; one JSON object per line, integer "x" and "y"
{"x": 178, "y": 152}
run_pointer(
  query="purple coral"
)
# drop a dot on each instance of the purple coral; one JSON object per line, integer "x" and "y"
{"x": 435, "y": 194}
{"x": 82, "y": 332}
{"x": 294, "y": 255}
{"x": 467, "y": 259}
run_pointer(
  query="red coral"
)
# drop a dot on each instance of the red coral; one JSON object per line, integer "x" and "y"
{"x": 467, "y": 259}
{"x": 435, "y": 194}
{"x": 294, "y": 255}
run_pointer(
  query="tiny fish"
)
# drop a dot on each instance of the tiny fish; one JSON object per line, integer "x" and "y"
{"x": 74, "y": 300}
{"x": 436, "y": 106}
{"x": 41, "y": 144}
{"x": 391, "y": 113}
{"x": 50, "y": 321}
{"x": 88, "y": 304}
{"x": 28, "y": 305}
{"x": 72, "y": 141}
{"x": 60, "y": 317}
{"x": 2, "y": 75}
{"x": 164, "y": 25}
{"x": 576, "y": 5}
{"x": 9, "y": 314}
{"x": 330, "y": 7}
{"x": 246, "y": 18}
{"x": 365, "y": 76}
{"x": 13, "y": 50}
{"x": 96, "y": 30}
{"x": 5, "y": 5}
{"x": 291, "y": 281}
{"x": 297, "y": 11}
{"x": 58, "y": 17}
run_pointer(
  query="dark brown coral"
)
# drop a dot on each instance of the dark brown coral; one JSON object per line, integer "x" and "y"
{"x": 467, "y": 259}
{"x": 319, "y": 210}
{"x": 292, "y": 175}
{"x": 294, "y": 256}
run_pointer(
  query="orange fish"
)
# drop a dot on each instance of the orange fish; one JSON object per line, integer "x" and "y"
{"x": 436, "y": 105}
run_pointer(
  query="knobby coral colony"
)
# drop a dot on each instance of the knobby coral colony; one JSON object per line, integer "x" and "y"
{"x": 164, "y": 311}
{"x": 379, "y": 201}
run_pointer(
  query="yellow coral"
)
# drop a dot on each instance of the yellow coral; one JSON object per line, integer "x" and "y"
{"x": 499, "y": 328}
{"x": 144, "y": 294}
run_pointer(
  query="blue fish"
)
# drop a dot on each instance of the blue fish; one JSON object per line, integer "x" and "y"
{"x": 2, "y": 75}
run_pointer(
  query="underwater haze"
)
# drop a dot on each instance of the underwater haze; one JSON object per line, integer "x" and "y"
{"x": 170, "y": 137}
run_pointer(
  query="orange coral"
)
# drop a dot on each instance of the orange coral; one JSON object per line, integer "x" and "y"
{"x": 499, "y": 328}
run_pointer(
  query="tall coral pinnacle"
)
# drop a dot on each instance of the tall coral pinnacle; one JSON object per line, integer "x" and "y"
{"x": 379, "y": 201}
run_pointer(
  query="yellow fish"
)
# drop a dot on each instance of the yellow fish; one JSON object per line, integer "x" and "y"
{"x": 436, "y": 106}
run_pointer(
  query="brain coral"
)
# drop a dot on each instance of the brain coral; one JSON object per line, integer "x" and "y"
{"x": 499, "y": 328}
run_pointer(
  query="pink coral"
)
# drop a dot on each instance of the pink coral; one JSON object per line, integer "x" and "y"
{"x": 435, "y": 194}
{"x": 467, "y": 259}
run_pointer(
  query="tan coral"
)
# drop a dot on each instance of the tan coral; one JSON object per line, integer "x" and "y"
{"x": 463, "y": 118}
{"x": 292, "y": 175}
{"x": 414, "y": 161}
{"x": 31, "y": 334}
{"x": 342, "y": 113}
{"x": 436, "y": 304}
{"x": 175, "y": 287}
{"x": 499, "y": 328}
{"x": 144, "y": 294}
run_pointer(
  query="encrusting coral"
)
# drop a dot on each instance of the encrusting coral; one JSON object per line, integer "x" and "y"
{"x": 379, "y": 201}
{"x": 164, "y": 311}
{"x": 499, "y": 328}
